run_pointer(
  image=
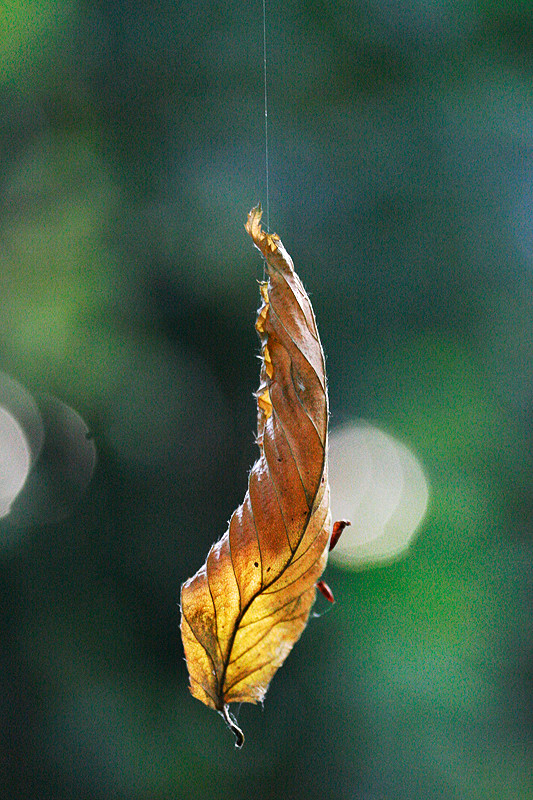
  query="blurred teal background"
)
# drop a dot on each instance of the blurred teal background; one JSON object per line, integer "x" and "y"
{"x": 401, "y": 148}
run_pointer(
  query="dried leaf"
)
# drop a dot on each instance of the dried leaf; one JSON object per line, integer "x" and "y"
{"x": 246, "y": 607}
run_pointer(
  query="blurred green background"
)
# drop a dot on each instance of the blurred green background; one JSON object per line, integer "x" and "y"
{"x": 401, "y": 148}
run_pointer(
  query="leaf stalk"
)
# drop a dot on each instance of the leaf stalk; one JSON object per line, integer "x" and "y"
{"x": 231, "y": 722}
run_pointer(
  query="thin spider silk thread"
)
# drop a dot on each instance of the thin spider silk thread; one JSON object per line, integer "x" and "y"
{"x": 266, "y": 117}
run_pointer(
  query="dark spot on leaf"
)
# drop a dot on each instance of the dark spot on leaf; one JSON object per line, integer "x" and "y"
{"x": 256, "y": 564}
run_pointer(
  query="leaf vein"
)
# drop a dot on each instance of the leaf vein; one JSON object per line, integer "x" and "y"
{"x": 289, "y": 335}
{"x": 269, "y": 630}
{"x": 202, "y": 645}
{"x": 262, "y": 666}
{"x": 271, "y": 613}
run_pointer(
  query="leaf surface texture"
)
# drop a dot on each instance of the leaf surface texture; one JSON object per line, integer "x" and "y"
{"x": 245, "y": 608}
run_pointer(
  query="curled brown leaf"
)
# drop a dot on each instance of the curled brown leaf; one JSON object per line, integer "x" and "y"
{"x": 245, "y": 608}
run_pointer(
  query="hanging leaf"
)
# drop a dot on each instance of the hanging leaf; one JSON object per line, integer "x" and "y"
{"x": 246, "y": 607}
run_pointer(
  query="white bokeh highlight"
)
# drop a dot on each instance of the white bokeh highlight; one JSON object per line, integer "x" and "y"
{"x": 377, "y": 484}
{"x": 15, "y": 460}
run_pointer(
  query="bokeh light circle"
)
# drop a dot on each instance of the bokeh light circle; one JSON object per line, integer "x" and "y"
{"x": 379, "y": 485}
{"x": 15, "y": 460}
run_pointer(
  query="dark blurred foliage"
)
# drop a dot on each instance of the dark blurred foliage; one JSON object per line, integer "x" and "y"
{"x": 401, "y": 149}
